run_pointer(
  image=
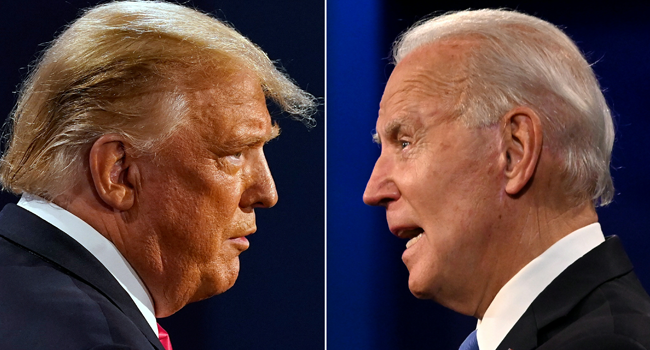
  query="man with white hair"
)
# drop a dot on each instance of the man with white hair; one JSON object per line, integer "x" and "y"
{"x": 137, "y": 145}
{"x": 495, "y": 150}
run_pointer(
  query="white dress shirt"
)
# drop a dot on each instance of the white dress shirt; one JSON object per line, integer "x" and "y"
{"x": 97, "y": 245}
{"x": 518, "y": 294}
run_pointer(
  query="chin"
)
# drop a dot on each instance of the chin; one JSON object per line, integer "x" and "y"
{"x": 230, "y": 275}
{"x": 430, "y": 290}
{"x": 420, "y": 289}
{"x": 219, "y": 280}
{"x": 227, "y": 284}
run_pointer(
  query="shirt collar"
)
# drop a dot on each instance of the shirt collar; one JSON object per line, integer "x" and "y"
{"x": 97, "y": 245}
{"x": 518, "y": 294}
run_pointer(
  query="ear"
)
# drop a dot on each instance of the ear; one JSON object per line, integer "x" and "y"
{"x": 113, "y": 171}
{"x": 522, "y": 147}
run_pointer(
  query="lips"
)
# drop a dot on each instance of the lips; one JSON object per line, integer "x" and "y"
{"x": 240, "y": 243}
{"x": 412, "y": 233}
{"x": 243, "y": 230}
{"x": 241, "y": 239}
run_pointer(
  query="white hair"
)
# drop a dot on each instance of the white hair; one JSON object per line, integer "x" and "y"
{"x": 520, "y": 60}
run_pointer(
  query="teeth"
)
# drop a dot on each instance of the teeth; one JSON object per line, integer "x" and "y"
{"x": 413, "y": 240}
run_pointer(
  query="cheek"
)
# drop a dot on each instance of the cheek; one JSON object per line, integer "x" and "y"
{"x": 467, "y": 188}
{"x": 205, "y": 199}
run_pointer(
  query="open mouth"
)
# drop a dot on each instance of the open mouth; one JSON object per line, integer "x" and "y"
{"x": 416, "y": 234}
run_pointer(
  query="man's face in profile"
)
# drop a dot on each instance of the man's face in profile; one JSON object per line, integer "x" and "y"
{"x": 436, "y": 177}
{"x": 198, "y": 194}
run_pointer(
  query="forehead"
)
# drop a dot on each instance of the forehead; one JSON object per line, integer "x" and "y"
{"x": 428, "y": 82}
{"x": 231, "y": 105}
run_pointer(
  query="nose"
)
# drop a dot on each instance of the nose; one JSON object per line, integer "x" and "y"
{"x": 261, "y": 192}
{"x": 381, "y": 189}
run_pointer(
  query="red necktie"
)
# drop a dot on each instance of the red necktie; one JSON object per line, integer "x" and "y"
{"x": 164, "y": 338}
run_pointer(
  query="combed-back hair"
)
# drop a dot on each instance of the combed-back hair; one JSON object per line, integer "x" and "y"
{"x": 122, "y": 68}
{"x": 520, "y": 60}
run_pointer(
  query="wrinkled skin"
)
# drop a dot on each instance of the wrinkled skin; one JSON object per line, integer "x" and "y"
{"x": 195, "y": 199}
{"x": 435, "y": 175}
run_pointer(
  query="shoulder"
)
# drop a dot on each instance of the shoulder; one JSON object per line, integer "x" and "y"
{"x": 43, "y": 307}
{"x": 615, "y": 315}
{"x": 599, "y": 342}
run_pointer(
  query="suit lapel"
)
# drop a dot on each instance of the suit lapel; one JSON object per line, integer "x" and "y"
{"x": 601, "y": 264}
{"x": 28, "y": 230}
{"x": 520, "y": 336}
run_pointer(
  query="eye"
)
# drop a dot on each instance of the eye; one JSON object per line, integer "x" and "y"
{"x": 404, "y": 144}
{"x": 235, "y": 158}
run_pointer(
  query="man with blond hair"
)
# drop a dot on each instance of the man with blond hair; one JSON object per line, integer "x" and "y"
{"x": 495, "y": 149}
{"x": 137, "y": 145}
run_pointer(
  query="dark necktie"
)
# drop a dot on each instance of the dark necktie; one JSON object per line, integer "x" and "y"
{"x": 470, "y": 343}
{"x": 164, "y": 338}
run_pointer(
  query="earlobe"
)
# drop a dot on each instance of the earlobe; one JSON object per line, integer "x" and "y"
{"x": 522, "y": 147}
{"x": 110, "y": 168}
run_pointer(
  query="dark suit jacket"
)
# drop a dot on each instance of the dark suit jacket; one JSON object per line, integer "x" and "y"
{"x": 55, "y": 295}
{"x": 596, "y": 303}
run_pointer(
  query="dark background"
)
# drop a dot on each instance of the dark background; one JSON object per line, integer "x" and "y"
{"x": 369, "y": 304}
{"x": 278, "y": 300}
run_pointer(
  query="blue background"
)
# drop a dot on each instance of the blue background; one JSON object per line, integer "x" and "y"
{"x": 278, "y": 300}
{"x": 369, "y": 304}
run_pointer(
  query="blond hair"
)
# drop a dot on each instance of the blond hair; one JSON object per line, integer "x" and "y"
{"x": 117, "y": 69}
{"x": 523, "y": 60}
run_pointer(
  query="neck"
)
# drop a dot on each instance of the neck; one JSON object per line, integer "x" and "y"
{"x": 137, "y": 245}
{"x": 536, "y": 230}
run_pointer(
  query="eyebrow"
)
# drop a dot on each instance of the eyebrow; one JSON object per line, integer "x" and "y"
{"x": 256, "y": 140}
{"x": 252, "y": 140}
{"x": 375, "y": 137}
{"x": 275, "y": 132}
{"x": 392, "y": 128}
